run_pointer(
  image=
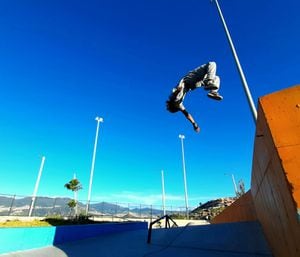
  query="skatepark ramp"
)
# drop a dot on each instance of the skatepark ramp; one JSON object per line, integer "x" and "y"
{"x": 274, "y": 197}
{"x": 268, "y": 215}
{"x": 243, "y": 239}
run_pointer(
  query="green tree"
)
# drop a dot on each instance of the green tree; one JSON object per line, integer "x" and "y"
{"x": 72, "y": 203}
{"x": 74, "y": 185}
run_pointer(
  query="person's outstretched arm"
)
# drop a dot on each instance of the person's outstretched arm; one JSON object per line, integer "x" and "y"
{"x": 191, "y": 120}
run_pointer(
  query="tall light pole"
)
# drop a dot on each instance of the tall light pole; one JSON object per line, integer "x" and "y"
{"x": 184, "y": 177}
{"x": 234, "y": 184}
{"x": 75, "y": 197}
{"x": 98, "y": 119}
{"x": 163, "y": 192}
{"x": 243, "y": 78}
{"x": 36, "y": 186}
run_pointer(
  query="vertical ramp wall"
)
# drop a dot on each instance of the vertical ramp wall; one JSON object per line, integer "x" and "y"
{"x": 241, "y": 210}
{"x": 275, "y": 183}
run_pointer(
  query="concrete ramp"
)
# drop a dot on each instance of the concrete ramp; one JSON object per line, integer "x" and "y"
{"x": 274, "y": 197}
{"x": 229, "y": 239}
{"x": 275, "y": 184}
{"x": 244, "y": 239}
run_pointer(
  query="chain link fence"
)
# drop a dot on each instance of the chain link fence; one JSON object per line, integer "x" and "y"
{"x": 18, "y": 205}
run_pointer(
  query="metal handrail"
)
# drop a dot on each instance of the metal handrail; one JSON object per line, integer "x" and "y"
{"x": 167, "y": 225}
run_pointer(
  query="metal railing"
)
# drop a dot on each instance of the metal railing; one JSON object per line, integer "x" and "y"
{"x": 19, "y": 205}
{"x": 167, "y": 225}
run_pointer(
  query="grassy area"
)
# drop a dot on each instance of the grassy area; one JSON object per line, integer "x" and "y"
{"x": 47, "y": 222}
{"x": 20, "y": 223}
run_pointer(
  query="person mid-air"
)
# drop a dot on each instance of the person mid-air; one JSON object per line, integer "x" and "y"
{"x": 203, "y": 76}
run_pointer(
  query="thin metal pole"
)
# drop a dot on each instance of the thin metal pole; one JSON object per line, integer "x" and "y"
{"x": 235, "y": 188}
{"x": 163, "y": 192}
{"x": 244, "y": 81}
{"x": 184, "y": 177}
{"x": 11, "y": 205}
{"x": 233, "y": 181}
{"x": 75, "y": 197}
{"x": 98, "y": 119}
{"x": 36, "y": 186}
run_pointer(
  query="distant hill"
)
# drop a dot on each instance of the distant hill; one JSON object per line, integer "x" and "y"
{"x": 212, "y": 208}
{"x": 5, "y": 201}
{"x": 109, "y": 208}
{"x": 45, "y": 206}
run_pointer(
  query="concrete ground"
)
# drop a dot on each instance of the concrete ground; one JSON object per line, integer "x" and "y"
{"x": 244, "y": 239}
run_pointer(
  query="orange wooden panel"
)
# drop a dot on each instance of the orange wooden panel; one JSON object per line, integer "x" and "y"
{"x": 273, "y": 226}
{"x": 282, "y": 185}
{"x": 279, "y": 213}
{"x": 290, "y": 157}
{"x": 284, "y": 190}
{"x": 256, "y": 178}
{"x": 263, "y": 131}
{"x": 282, "y": 112}
{"x": 275, "y": 170}
{"x": 264, "y": 218}
{"x": 263, "y": 151}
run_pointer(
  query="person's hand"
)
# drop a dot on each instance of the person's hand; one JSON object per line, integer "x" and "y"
{"x": 196, "y": 127}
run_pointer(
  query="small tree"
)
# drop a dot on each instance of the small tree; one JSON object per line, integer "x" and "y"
{"x": 74, "y": 185}
{"x": 72, "y": 204}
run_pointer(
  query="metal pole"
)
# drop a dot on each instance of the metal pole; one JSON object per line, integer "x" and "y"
{"x": 11, "y": 205}
{"x": 163, "y": 192}
{"x": 36, "y": 186}
{"x": 75, "y": 197}
{"x": 233, "y": 181}
{"x": 244, "y": 81}
{"x": 235, "y": 188}
{"x": 54, "y": 203}
{"x": 98, "y": 119}
{"x": 184, "y": 177}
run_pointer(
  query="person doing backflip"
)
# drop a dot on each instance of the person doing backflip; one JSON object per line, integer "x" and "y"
{"x": 203, "y": 76}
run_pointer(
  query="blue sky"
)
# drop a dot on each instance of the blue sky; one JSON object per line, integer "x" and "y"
{"x": 65, "y": 62}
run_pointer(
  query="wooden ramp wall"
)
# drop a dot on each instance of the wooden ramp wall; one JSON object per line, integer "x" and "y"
{"x": 275, "y": 182}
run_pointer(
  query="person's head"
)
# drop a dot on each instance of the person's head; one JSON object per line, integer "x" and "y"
{"x": 171, "y": 107}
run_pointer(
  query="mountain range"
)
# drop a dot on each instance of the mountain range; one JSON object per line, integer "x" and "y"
{"x": 47, "y": 206}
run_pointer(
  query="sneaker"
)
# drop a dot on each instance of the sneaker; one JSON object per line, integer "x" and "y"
{"x": 209, "y": 85}
{"x": 215, "y": 96}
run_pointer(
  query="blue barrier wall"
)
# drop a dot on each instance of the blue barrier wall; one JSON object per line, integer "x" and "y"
{"x": 19, "y": 239}
{"x": 66, "y": 234}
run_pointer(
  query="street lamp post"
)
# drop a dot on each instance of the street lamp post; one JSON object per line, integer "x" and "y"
{"x": 36, "y": 186}
{"x": 98, "y": 119}
{"x": 163, "y": 192}
{"x": 75, "y": 197}
{"x": 239, "y": 67}
{"x": 184, "y": 177}
{"x": 234, "y": 184}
